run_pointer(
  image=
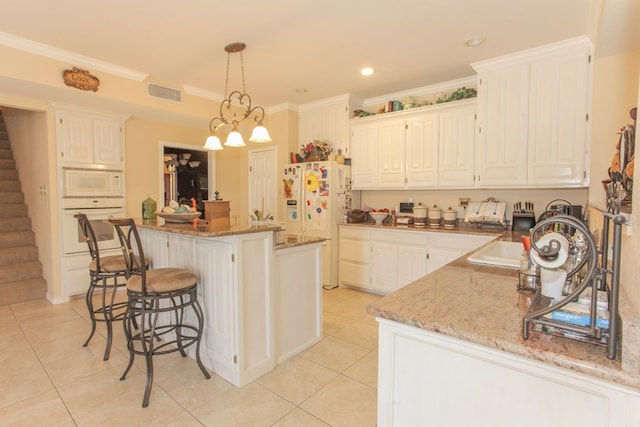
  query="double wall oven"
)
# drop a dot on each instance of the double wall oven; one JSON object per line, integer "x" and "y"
{"x": 99, "y": 194}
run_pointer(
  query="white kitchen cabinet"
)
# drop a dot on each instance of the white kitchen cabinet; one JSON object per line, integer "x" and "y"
{"x": 423, "y": 133}
{"x": 442, "y": 248}
{"x": 558, "y": 111}
{"x": 429, "y": 147}
{"x": 456, "y": 146}
{"x": 502, "y": 127}
{"x": 353, "y": 256}
{"x": 327, "y": 120}
{"x": 424, "y": 375}
{"x": 384, "y": 260}
{"x": 235, "y": 291}
{"x": 533, "y": 117}
{"x": 88, "y": 139}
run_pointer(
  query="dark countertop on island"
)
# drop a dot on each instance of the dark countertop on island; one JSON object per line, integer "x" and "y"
{"x": 481, "y": 304}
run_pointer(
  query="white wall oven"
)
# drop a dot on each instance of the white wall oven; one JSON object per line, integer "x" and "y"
{"x": 75, "y": 253}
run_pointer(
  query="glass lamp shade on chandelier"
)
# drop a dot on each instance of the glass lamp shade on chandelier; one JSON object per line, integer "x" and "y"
{"x": 234, "y": 138}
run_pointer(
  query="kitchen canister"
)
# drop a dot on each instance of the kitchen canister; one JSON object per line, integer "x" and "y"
{"x": 450, "y": 217}
{"x": 419, "y": 216}
{"x": 435, "y": 216}
{"x": 149, "y": 208}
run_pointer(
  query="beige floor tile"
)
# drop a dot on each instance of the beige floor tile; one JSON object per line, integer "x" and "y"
{"x": 335, "y": 353}
{"x": 6, "y": 316}
{"x": 360, "y": 332}
{"x": 44, "y": 409}
{"x": 297, "y": 379}
{"x": 332, "y": 323}
{"x": 249, "y": 406}
{"x": 19, "y": 381}
{"x": 82, "y": 364}
{"x": 41, "y": 312}
{"x": 365, "y": 370}
{"x": 353, "y": 307}
{"x": 183, "y": 380}
{"x": 187, "y": 420}
{"x": 344, "y": 403}
{"x": 300, "y": 418}
{"x": 102, "y": 399}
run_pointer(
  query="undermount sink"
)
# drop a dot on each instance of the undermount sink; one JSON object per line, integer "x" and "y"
{"x": 500, "y": 253}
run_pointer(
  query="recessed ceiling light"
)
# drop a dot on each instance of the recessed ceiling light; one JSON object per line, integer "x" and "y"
{"x": 367, "y": 71}
{"x": 301, "y": 90}
{"x": 474, "y": 41}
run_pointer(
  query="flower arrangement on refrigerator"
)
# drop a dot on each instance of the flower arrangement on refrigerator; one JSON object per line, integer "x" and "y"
{"x": 315, "y": 151}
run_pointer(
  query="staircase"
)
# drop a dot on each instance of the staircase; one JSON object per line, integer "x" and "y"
{"x": 20, "y": 270}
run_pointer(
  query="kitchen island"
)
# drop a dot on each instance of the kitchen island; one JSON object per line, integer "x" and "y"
{"x": 247, "y": 327}
{"x": 451, "y": 352}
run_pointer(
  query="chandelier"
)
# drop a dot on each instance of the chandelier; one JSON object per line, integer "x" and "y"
{"x": 234, "y": 138}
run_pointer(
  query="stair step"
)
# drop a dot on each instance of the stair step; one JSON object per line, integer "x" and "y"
{"x": 16, "y": 239}
{"x": 22, "y": 290}
{"x": 17, "y": 255}
{"x": 6, "y": 154}
{"x": 20, "y": 223}
{"x": 5, "y": 144}
{"x": 20, "y": 271}
{"x": 7, "y": 163}
{"x": 8, "y": 174}
{"x": 10, "y": 185}
{"x": 11, "y": 197}
{"x": 14, "y": 210}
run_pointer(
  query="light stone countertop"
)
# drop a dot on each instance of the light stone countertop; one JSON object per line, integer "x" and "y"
{"x": 291, "y": 241}
{"x": 481, "y": 304}
{"x": 200, "y": 228}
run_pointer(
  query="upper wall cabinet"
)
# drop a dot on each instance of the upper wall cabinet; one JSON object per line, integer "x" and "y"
{"x": 87, "y": 139}
{"x": 327, "y": 120}
{"x": 532, "y": 127}
{"x": 422, "y": 148}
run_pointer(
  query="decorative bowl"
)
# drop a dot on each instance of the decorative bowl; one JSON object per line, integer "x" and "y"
{"x": 178, "y": 217}
{"x": 378, "y": 216}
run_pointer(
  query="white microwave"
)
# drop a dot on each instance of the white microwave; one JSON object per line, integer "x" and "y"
{"x": 92, "y": 183}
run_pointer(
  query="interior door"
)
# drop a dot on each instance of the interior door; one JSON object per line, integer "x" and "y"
{"x": 263, "y": 187}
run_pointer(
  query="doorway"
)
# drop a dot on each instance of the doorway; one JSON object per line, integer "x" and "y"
{"x": 187, "y": 172}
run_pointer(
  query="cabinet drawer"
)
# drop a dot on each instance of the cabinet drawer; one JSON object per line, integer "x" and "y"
{"x": 354, "y": 274}
{"x": 355, "y": 233}
{"x": 417, "y": 238}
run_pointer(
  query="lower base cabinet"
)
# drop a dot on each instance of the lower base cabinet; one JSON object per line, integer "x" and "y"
{"x": 425, "y": 378}
{"x": 386, "y": 260}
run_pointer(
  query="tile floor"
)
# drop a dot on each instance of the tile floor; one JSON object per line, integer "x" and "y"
{"x": 48, "y": 379}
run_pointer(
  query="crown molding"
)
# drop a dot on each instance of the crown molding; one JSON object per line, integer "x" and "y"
{"x": 61, "y": 55}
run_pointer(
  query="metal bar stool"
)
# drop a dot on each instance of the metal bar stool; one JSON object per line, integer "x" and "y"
{"x": 107, "y": 275}
{"x": 158, "y": 298}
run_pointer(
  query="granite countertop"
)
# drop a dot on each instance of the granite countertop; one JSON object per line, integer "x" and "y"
{"x": 481, "y": 304}
{"x": 291, "y": 241}
{"x": 462, "y": 228}
{"x": 200, "y": 228}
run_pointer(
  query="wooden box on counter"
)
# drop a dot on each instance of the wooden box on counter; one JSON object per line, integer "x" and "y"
{"x": 217, "y": 212}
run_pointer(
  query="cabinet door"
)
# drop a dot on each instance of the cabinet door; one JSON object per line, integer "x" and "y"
{"x": 76, "y": 138}
{"x": 384, "y": 266}
{"x": 501, "y": 154}
{"x": 335, "y": 123}
{"x": 558, "y": 108}
{"x": 309, "y": 126}
{"x": 422, "y": 151}
{"x": 107, "y": 142}
{"x": 156, "y": 248}
{"x": 457, "y": 131}
{"x": 412, "y": 263}
{"x": 391, "y": 153}
{"x": 217, "y": 284}
{"x": 364, "y": 152}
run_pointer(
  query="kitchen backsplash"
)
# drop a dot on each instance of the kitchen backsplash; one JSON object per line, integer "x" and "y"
{"x": 379, "y": 199}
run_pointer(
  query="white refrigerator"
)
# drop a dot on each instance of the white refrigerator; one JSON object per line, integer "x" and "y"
{"x": 317, "y": 195}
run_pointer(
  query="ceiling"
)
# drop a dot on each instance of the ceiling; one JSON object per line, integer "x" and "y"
{"x": 299, "y": 51}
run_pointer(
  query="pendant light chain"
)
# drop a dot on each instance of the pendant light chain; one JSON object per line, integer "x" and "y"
{"x": 244, "y": 89}
{"x": 226, "y": 82}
